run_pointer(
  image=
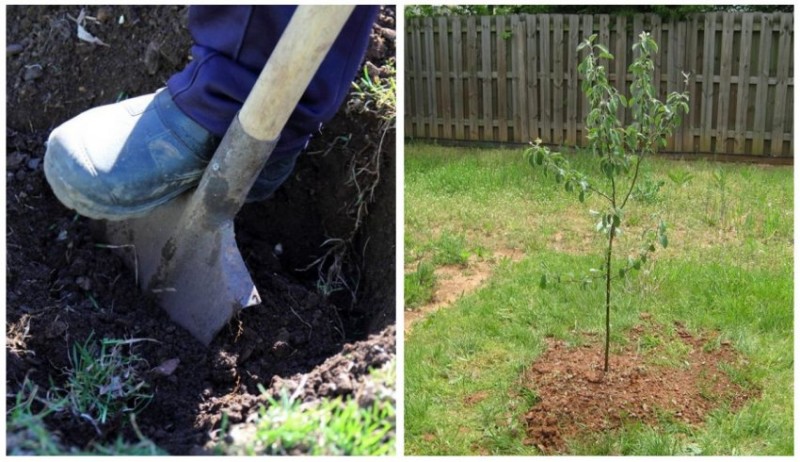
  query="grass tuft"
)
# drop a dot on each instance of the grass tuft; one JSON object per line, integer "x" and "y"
{"x": 419, "y": 285}
{"x": 103, "y": 382}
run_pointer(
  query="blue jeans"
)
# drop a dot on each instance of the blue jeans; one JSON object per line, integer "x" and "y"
{"x": 232, "y": 44}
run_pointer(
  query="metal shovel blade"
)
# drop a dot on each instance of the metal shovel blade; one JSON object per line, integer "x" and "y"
{"x": 210, "y": 282}
{"x": 186, "y": 252}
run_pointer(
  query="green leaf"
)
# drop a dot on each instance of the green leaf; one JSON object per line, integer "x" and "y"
{"x": 663, "y": 240}
{"x": 607, "y": 169}
{"x": 539, "y": 157}
{"x": 582, "y": 196}
{"x": 543, "y": 282}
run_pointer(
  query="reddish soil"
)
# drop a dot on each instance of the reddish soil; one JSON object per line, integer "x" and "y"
{"x": 576, "y": 399}
{"x": 61, "y": 287}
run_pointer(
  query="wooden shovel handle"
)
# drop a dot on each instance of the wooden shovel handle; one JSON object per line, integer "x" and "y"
{"x": 308, "y": 36}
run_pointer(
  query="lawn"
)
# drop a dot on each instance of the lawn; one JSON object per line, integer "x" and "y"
{"x": 727, "y": 270}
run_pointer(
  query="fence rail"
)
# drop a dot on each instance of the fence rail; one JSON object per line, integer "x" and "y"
{"x": 514, "y": 78}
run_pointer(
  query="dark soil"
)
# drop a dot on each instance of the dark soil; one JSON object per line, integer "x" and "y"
{"x": 577, "y": 400}
{"x": 62, "y": 287}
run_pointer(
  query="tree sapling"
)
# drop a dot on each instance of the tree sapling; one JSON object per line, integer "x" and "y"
{"x": 619, "y": 150}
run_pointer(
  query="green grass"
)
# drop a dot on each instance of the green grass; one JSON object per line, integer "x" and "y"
{"x": 103, "y": 382}
{"x": 28, "y": 434}
{"x": 333, "y": 427}
{"x": 732, "y": 274}
{"x": 451, "y": 249}
{"x": 419, "y": 285}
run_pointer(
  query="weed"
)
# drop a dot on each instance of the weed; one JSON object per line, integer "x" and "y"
{"x": 376, "y": 94}
{"x": 647, "y": 191}
{"x": 680, "y": 177}
{"x": 27, "y": 433}
{"x": 451, "y": 249}
{"x": 530, "y": 397}
{"x": 103, "y": 382}
{"x": 419, "y": 285}
{"x": 720, "y": 186}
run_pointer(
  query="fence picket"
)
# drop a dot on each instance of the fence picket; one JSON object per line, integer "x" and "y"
{"x": 486, "y": 72}
{"x": 558, "y": 79}
{"x": 760, "y": 118}
{"x": 708, "y": 82}
{"x": 781, "y": 90}
{"x": 431, "y": 75}
{"x": 546, "y": 79}
{"x": 520, "y": 81}
{"x": 588, "y": 28}
{"x": 695, "y": 103}
{"x": 743, "y": 83}
{"x": 572, "y": 80}
{"x": 723, "y": 97}
{"x": 655, "y": 32}
{"x": 502, "y": 78}
{"x": 675, "y": 78}
{"x": 620, "y": 69}
{"x": 444, "y": 66}
{"x": 532, "y": 84}
{"x": 458, "y": 79}
{"x": 472, "y": 80}
{"x": 414, "y": 80}
{"x": 682, "y": 83}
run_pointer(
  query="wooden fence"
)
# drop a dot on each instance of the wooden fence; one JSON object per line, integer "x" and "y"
{"x": 511, "y": 79}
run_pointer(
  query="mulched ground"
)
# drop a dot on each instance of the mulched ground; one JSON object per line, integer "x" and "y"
{"x": 577, "y": 400}
{"x": 62, "y": 287}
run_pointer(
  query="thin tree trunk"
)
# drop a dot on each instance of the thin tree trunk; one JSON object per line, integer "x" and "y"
{"x": 608, "y": 291}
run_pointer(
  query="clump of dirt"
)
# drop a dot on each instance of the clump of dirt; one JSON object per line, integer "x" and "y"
{"x": 63, "y": 285}
{"x": 577, "y": 399}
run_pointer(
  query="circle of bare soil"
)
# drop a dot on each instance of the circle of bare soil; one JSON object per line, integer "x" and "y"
{"x": 62, "y": 287}
{"x": 645, "y": 384}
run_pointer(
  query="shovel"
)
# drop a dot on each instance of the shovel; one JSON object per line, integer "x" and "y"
{"x": 185, "y": 251}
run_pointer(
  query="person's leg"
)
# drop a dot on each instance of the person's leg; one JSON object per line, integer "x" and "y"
{"x": 122, "y": 160}
{"x": 225, "y": 66}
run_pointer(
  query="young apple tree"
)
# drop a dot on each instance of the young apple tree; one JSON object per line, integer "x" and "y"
{"x": 619, "y": 149}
